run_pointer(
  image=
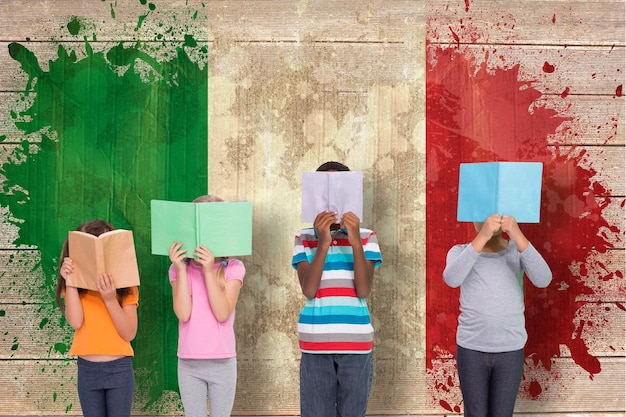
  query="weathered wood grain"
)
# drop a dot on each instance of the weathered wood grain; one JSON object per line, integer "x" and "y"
{"x": 357, "y": 53}
{"x": 589, "y": 126}
{"x": 30, "y": 334}
{"x": 531, "y": 22}
{"x": 33, "y": 386}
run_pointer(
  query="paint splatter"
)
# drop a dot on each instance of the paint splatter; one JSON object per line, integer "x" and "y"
{"x": 548, "y": 68}
{"x": 476, "y": 115}
{"x": 107, "y": 131}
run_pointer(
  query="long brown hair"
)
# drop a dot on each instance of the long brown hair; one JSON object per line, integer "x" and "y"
{"x": 208, "y": 198}
{"x": 96, "y": 228}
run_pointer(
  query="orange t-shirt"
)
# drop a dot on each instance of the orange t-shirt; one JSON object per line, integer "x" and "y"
{"x": 98, "y": 335}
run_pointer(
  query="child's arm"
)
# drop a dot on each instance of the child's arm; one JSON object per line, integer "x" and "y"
{"x": 363, "y": 269}
{"x": 222, "y": 300}
{"x": 490, "y": 228}
{"x": 459, "y": 263}
{"x": 124, "y": 318}
{"x": 310, "y": 275}
{"x": 511, "y": 228}
{"x": 73, "y": 307}
{"x": 181, "y": 297}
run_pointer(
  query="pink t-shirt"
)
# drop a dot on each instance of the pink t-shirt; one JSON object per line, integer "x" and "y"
{"x": 203, "y": 336}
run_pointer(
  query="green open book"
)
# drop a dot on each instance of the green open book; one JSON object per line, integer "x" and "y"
{"x": 223, "y": 227}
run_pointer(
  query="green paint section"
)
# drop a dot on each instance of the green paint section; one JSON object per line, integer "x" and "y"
{"x": 111, "y": 139}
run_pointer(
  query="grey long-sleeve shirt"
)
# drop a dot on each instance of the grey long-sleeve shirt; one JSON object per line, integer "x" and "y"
{"x": 492, "y": 297}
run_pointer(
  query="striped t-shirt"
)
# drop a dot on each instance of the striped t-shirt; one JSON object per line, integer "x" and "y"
{"x": 336, "y": 320}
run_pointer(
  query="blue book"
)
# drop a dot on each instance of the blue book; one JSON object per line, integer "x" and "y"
{"x": 506, "y": 188}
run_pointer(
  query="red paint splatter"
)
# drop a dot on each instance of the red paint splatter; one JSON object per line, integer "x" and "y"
{"x": 534, "y": 389}
{"x": 565, "y": 92}
{"x": 618, "y": 91}
{"x": 467, "y": 4}
{"x": 455, "y": 36}
{"x": 476, "y": 115}
{"x": 553, "y": 18}
{"x": 548, "y": 68}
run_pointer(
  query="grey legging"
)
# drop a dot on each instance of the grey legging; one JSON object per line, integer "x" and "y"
{"x": 215, "y": 377}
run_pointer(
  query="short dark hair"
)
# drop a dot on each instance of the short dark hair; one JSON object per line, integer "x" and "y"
{"x": 332, "y": 166}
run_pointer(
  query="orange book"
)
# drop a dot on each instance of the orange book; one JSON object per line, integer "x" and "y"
{"x": 112, "y": 252}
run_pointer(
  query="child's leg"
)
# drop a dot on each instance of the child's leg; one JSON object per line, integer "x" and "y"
{"x": 90, "y": 389}
{"x": 474, "y": 374}
{"x": 505, "y": 380}
{"x": 318, "y": 385}
{"x": 354, "y": 379}
{"x": 222, "y": 378}
{"x": 120, "y": 387}
{"x": 193, "y": 387}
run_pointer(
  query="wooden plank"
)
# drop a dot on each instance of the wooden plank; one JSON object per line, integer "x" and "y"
{"x": 44, "y": 20}
{"x": 32, "y": 386}
{"x": 33, "y": 331}
{"x": 21, "y": 278}
{"x": 581, "y": 70}
{"x": 527, "y": 23}
{"x": 596, "y": 120}
{"x": 575, "y": 23}
{"x": 502, "y": 21}
{"x": 350, "y": 66}
{"x": 37, "y": 331}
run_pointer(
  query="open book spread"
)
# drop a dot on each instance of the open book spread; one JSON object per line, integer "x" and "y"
{"x": 505, "y": 188}
{"x": 225, "y": 228}
{"x": 339, "y": 192}
{"x": 112, "y": 252}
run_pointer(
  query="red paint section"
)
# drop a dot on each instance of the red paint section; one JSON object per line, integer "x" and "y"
{"x": 477, "y": 115}
{"x": 618, "y": 91}
{"x": 548, "y": 68}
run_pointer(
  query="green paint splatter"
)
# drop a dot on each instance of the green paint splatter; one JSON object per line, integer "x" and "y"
{"x": 43, "y": 322}
{"x": 3, "y": 313}
{"x": 112, "y": 137}
{"x": 62, "y": 348}
{"x": 73, "y": 26}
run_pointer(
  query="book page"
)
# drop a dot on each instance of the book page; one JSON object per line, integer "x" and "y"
{"x": 519, "y": 192}
{"x": 112, "y": 252}
{"x": 84, "y": 255}
{"x": 226, "y": 227}
{"x": 173, "y": 221}
{"x": 506, "y": 188}
{"x": 477, "y": 194}
{"x": 339, "y": 192}
{"x": 120, "y": 259}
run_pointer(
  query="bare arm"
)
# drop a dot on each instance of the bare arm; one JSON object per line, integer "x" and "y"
{"x": 363, "y": 269}
{"x": 222, "y": 300}
{"x": 181, "y": 297}
{"x": 124, "y": 318}
{"x": 310, "y": 275}
{"x": 73, "y": 307}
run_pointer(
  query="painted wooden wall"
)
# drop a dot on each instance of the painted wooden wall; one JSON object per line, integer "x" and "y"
{"x": 293, "y": 84}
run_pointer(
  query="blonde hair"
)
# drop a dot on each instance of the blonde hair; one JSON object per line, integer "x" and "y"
{"x": 209, "y": 198}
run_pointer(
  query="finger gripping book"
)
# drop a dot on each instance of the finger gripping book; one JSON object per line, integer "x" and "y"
{"x": 112, "y": 252}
